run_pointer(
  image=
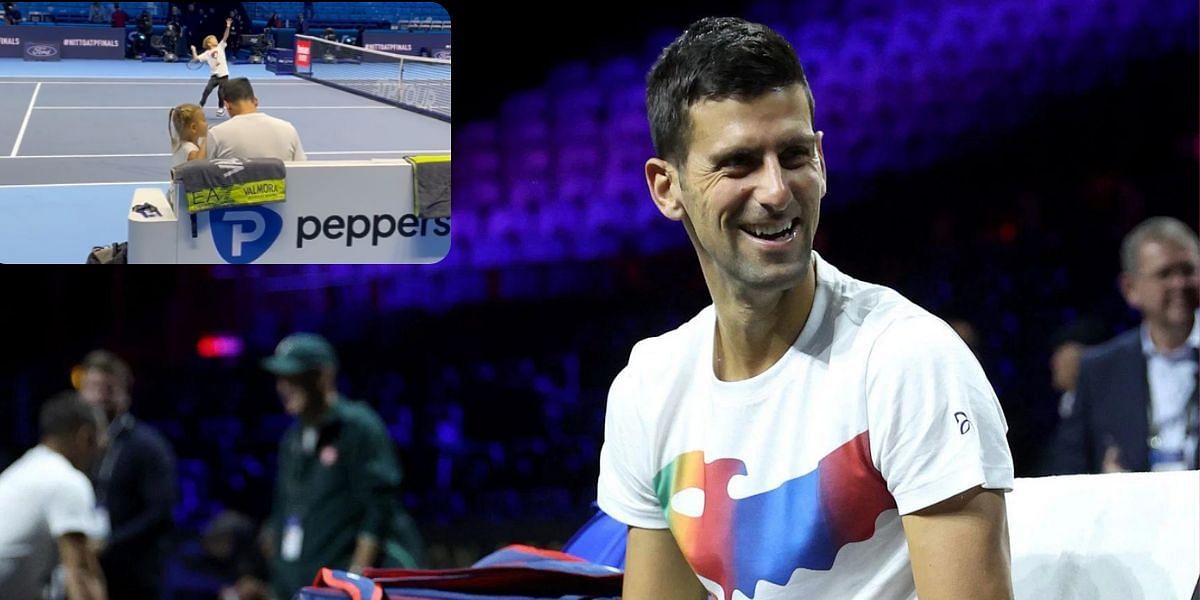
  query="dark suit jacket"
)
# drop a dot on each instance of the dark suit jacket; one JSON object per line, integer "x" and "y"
{"x": 1111, "y": 400}
{"x": 139, "y": 495}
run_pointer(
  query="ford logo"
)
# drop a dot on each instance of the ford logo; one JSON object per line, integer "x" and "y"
{"x": 442, "y": 54}
{"x": 41, "y": 50}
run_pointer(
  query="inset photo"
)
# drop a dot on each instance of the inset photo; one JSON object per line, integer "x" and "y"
{"x": 225, "y": 132}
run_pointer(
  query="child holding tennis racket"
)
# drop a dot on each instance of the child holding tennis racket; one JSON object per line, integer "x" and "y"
{"x": 214, "y": 55}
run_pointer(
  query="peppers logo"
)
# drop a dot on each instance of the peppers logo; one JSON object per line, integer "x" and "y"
{"x": 243, "y": 235}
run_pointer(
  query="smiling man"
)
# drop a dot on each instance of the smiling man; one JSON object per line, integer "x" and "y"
{"x": 808, "y": 435}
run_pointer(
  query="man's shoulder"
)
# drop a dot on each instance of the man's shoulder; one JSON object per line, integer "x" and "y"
{"x": 278, "y": 121}
{"x": 671, "y": 345}
{"x": 51, "y": 473}
{"x": 359, "y": 413}
{"x": 150, "y": 438}
{"x": 870, "y": 306}
{"x": 1116, "y": 350}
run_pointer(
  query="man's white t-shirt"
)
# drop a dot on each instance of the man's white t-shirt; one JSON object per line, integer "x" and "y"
{"x": 791, "y": 484}
{"x": 255, "y": 135}
{"x": 216, "y": 60}
{"x": 42, "y": 497}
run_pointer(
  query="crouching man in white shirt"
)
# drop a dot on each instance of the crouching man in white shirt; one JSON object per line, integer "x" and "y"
{"x": 48, "y": 507}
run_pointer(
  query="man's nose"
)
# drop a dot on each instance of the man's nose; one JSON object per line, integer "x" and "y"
{"x": 773, "y": 190}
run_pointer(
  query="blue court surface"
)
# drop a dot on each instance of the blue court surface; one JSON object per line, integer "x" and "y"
{"x": 77, "y": 137}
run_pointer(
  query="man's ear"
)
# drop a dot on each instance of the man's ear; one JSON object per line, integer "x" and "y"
{"x": 662, "y": 179}
{"x": 821, "y": 161}
{"x": 1126, "y": 284}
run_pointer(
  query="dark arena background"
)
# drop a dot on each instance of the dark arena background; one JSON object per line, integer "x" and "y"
{"x": 985, "y": 159}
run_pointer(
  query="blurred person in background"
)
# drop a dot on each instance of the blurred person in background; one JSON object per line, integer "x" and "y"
{"x": 119, "y": 16}
{"x": 135, "y": 481}
{"x": 12, "y": 15}
{"x": 96, "y": 13}
{"x": 1070, "y": 342}
{"x": 49, "y": 508}
{"x": 1135, "y": 405}
{"x": 338, "y": 477}
{"x": 145, "y": 28}
{"x": 190, "y": 20}
{"x": 1067, "y": 347}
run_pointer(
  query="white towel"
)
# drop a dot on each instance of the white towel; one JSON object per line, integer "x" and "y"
{"x": 1124, "y": 536}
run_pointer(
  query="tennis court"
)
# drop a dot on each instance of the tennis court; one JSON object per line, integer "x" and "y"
{"x": 77, "y": 137}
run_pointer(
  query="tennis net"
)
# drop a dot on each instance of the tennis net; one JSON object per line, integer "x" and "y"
{"x": 412, "y": 82}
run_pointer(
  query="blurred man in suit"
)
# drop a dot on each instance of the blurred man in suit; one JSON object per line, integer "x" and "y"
{"x": 1135, "y": 406}
{"x": 135, "y": 482}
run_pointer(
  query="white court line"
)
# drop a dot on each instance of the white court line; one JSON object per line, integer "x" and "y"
{"x": 25, "y": 123}
{"x": 324, "y": 153}
{"x": 42, "y": 185}
{"x": 167, "y": 107}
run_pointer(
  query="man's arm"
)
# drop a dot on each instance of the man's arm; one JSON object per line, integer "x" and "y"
{"x": 375, "y": 487}
{"x": 84, "y": 580}
{"x": 366, "y": 549}
{"x": 298, "y": 151}
{"x": 655, "y": 568}
{"x": 959, "y": 547}
{"x": 228, "y": 24}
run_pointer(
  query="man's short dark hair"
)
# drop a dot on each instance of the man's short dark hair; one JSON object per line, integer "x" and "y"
{"x": 109, "y": 363}
{"x": 65, "y": 414}
{"x": 715, "y": 59}
{"x": 237, "y": 90}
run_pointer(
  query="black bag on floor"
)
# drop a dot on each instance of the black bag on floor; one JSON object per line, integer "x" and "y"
{"x": 112, "y": 254}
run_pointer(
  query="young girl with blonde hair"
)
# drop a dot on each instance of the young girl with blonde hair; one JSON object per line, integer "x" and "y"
{"x": 188, "y": 131}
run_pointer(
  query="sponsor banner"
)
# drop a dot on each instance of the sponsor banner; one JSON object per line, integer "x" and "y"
{"x": 42, "y": 51}
{"x": 410, "y": 43}
{"x": 72, "y": 42}
{"x": 280, "y": 61}
{"x": 304, "y": 55}
{"x": 243, "y": 194}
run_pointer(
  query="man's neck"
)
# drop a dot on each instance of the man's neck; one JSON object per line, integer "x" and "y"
{"x": 322, "y": 408}
{"x": 1169, "y": 339}
{"x": 57, "y": 446}
{"x": 755, "y": 330}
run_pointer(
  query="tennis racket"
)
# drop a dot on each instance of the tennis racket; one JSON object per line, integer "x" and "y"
{"x": 195, "y": 63}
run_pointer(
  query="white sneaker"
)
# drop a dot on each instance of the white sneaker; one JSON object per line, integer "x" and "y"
{"x": 220, "y": 112}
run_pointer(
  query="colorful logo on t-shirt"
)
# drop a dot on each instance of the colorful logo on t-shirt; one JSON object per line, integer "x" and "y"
{"x": 766, "y": 537}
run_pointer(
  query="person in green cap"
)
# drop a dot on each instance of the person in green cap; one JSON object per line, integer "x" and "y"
{"x": 337, "y": 486}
